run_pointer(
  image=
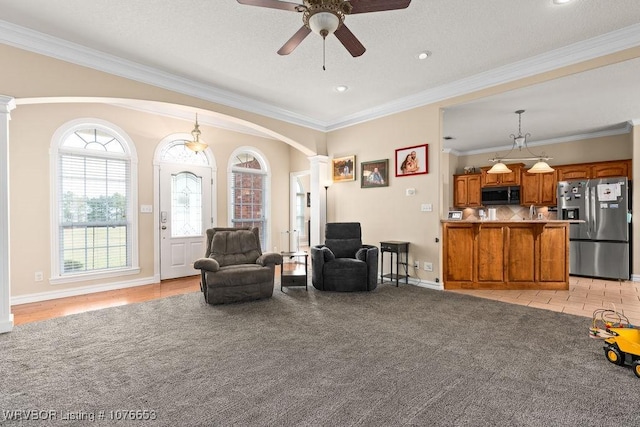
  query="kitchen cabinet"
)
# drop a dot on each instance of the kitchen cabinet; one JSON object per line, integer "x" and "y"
{"x": 501, "y": 179}
{"x": 466, "y": 190}
{"x": 594, "y": 170}
{"x": 538, "y": 189}
{"x": 506, "y": 255}
{"x": 611, "y": 169}
{"x": 579, "y": 171}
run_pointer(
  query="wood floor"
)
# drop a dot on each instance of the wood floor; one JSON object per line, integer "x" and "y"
{"x": 582, "y": 298}
{"x": 33, "y": 312}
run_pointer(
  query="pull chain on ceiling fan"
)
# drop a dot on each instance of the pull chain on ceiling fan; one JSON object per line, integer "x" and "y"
{"x": 325, "y": 17}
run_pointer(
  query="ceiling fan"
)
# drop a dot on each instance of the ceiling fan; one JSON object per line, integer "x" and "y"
{"x": 326, "y": 17}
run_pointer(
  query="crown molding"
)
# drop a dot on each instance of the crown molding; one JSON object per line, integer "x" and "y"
{"x": 605, "y": 44}
{"x": 34, "y": 41}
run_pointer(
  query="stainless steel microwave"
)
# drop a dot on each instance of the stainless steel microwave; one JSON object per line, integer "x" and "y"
{"x": 501, "y": 196}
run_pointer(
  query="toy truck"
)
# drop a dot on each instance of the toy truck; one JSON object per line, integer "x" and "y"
{"x": 624, "y": 346}
{"x": 622, "y": 340}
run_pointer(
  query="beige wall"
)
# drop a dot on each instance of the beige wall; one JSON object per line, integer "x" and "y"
{"x": 386, "y": 213}
{"x": 32, "y": 127}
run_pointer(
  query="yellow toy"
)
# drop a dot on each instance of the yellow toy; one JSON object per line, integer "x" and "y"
{"x": 622, "y": 339}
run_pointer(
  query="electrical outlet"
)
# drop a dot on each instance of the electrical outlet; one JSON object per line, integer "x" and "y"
{"x": 428, "y": 266}
{"x": 39, "y": 276}
{"x": 416, "y": 264}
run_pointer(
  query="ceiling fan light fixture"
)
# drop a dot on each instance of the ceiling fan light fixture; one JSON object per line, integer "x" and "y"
{"x": 324, "y": 23}
{"x": 499, "y": 168}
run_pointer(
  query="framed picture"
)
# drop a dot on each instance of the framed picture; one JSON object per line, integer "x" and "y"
{"x": 412, "y": 160}
{"x": 342, "y": 169}
{"x": 374, "y": 174}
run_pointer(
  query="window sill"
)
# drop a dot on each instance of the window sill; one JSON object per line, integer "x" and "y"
{"x": 83, "y": 277}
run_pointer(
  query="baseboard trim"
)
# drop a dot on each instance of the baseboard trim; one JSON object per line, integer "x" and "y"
{"x": 635, "y": 277}
{"x": 84, "y": 290}
{"x": 421, "y": 283}
{"x": 6, "y": 325}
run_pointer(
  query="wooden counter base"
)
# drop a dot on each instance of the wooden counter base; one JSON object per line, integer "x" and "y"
{"x": 506, "y": 255}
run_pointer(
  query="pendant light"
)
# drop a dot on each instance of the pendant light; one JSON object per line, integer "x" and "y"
{"x": 195, "y": 144}
{"x": 520, "y": 140}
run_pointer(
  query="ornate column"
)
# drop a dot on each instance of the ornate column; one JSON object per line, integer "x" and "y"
{"x": 7, "y": 104}
{"x": 319, "y": 175}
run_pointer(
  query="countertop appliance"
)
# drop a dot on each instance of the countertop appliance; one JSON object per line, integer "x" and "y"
{"x": 598, "y": 246}
{"x": 500, "y": 196}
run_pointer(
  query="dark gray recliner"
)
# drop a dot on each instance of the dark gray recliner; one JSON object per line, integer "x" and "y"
{"x": 343, "y": 263}
{"x": 235, "y": 269}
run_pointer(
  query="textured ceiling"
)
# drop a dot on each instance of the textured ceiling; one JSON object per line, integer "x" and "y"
{"x": 232, "y": 48}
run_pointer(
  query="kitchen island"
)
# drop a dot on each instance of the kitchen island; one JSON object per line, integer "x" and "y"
{"x": 531, "y": 254}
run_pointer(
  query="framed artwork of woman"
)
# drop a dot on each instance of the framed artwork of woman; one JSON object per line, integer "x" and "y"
{"x": 412, "y": 160}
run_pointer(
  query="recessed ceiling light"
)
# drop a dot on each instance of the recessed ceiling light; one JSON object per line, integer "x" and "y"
{"x": 342, "y": 88}
{"x": 424, "y": 55}
{"x": 561, "y": 1}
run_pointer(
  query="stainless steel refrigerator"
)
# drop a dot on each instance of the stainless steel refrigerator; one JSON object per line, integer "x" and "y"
{"x": 599, "y": 246}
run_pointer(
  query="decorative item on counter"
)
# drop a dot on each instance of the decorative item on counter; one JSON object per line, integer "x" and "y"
{"x": 492, "y": 214}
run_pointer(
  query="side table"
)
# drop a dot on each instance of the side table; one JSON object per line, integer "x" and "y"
{"x": 292, "y": 274}
{"x": 400, "y": 249}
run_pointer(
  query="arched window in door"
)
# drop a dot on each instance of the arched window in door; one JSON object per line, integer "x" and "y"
{"x": 249, "y": 187}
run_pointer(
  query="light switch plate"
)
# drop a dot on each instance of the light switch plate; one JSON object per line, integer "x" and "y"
{"x": 146, "y": 208}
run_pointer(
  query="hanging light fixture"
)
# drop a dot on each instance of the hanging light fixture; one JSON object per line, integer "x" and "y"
{"x": 195, "y": 144}
{"x": 520, "y": 140}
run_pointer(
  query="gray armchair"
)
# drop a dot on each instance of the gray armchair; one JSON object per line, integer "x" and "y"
{"x": 343, "y": 263}
{"x": 235, "y": 269}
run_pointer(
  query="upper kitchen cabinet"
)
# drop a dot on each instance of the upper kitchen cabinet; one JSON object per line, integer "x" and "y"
{"x": 538, "y": 188}
{"x": 579, "y": 171}
{"x": 466, "y": 190}
{"x": 611, "y": 169}
{"x": 501, "y": 179}
{"x": 594, "y": 170}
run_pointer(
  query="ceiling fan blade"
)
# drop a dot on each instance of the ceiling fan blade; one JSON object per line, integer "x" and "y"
{"x": 364, "y": 6}
{"x": 294, "y": 41}
{"x": 273, "y": 4}
{"x": 349, "y": 41}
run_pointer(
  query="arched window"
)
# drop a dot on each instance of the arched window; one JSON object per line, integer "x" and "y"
{"x": 177, "y": 152}
{"x": 249, "y": 186}
{"x": 94, "y": 202}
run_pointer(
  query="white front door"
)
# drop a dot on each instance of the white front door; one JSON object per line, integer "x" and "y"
{"x": 185, "y": 215}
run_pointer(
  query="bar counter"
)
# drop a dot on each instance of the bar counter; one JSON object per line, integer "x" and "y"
{"x": 517, "y": 254}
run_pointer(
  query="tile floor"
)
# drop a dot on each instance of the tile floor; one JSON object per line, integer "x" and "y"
{"x": 583, "y": 297}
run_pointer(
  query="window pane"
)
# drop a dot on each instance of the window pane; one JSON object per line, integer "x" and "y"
{"x": 177, "y": 152}
{"x": 94, "y": 198}
{"x": 186, "y": 205}
{"x": 247, "y": 194}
